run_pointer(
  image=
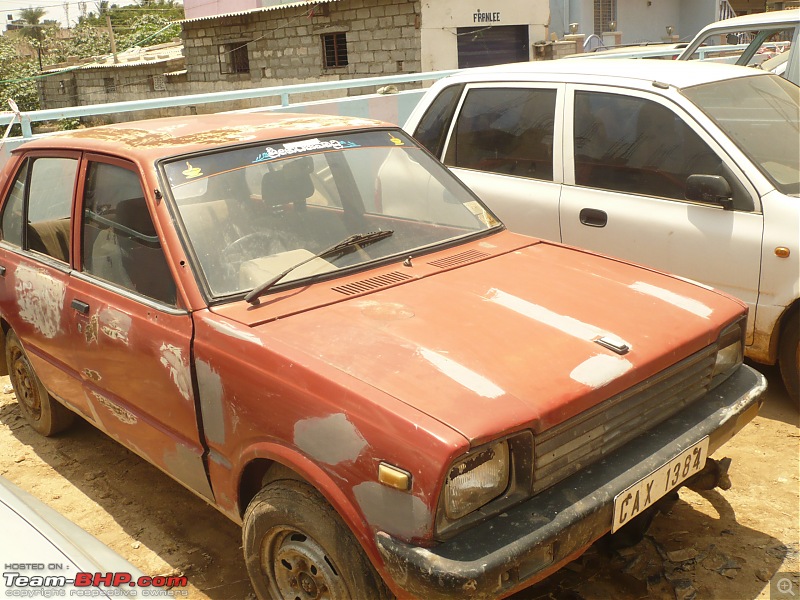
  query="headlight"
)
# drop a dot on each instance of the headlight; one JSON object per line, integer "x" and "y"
{"x": 729, "y": 348}
{"x": 476, "y": 480}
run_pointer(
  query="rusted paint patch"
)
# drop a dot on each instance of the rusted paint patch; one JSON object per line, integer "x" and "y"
{"x": 40, "y": 298}
{"x": 92, "y": 375}
{"x": 332, "y": 439}
{"x": 394, "y": 511}
{"x": 565, "y": 324}
{"x": 115, "y": 324}
{"x": 166, "y": 136}
{"x": 600, "y": 370}
{"x": 210, "y": 390}
{"x": 234, "y": 332}
{"x": 461, "y": 374}
{"x": 688, "y": 304}
{"x": 117, "y": 411}
{"x": 92, "y": 328}
{"x": 172, "y": 359}
{"x": 385, "y": 311}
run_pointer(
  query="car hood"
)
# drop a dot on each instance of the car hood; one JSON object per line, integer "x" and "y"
{"x": 510, "y": 341}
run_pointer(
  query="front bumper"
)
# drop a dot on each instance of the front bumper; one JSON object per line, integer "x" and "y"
{"x": 533, "y": 539}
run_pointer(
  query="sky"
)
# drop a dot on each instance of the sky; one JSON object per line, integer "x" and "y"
{"x": 55, "y": 8}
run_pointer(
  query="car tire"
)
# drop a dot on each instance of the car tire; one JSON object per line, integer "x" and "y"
{"x": 789, "y": 356}
{"x": 296, "y": 546}
{"x": 45, "y": 414}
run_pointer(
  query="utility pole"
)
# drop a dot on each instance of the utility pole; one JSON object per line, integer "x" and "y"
{"x": 111, "y": 35}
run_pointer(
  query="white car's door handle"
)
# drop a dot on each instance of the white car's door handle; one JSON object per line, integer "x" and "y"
{"x": 593, "y": 217}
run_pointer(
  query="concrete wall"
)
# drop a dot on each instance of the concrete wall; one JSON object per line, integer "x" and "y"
{"x": 639, "y": 20}
{"x": 441, "y": 18}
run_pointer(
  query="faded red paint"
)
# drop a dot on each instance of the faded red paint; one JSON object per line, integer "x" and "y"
{"x": 413, "y": 374}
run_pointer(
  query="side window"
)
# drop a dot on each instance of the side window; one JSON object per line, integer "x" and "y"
{"x": 119, "y": 241}
{"x": 13, "y": 216}
{"x": 505, "y": 130}
{"x": 637, "y": 146}
{"x": 52, "y": 181}
{"x": 434, "y": 124}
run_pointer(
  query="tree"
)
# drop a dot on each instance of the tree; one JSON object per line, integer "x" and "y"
{"x": 33, "y": 29}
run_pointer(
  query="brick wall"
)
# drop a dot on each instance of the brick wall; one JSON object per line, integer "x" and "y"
{"x": 285, "y": 46}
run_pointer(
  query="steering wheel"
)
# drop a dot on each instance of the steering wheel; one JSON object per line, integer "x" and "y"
{"x": 274, "y": 244}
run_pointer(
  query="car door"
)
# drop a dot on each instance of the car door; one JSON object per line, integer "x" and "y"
{"x": 504, "y": 143}
{"x": 630, "y": 154}
{"x": 132, "y": 340}
{"x": 35, "y": 267}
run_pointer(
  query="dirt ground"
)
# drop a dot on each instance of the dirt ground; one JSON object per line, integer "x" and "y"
{"x": 721, "y": 545}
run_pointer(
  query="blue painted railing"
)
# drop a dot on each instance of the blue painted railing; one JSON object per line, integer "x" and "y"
{"x": 284, "y": 92}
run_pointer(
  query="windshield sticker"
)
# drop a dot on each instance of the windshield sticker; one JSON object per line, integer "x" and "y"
{"x": 192, "y": 172}
{"x": 293, "y": 148}
{"x": 395, "y": 140}
{"x": 480, "y": 212}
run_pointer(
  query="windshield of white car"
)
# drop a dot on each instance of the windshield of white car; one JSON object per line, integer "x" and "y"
{"x": 250, "y": 213}
{"x": 762, "y": 117}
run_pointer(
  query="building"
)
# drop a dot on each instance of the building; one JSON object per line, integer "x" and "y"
{"x": 136, "y": 74}
{"x": 640, "y": 21}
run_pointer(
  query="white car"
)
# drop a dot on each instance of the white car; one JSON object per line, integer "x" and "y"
{"x": 764, "y": 34}
{"x": 688, "y": 167}
{"x": 43, "y": 554}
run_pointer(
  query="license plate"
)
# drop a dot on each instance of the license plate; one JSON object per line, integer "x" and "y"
{"x": 642, "y": 494}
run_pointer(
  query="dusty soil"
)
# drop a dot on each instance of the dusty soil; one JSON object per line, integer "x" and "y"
{"x": 716, "y": 544}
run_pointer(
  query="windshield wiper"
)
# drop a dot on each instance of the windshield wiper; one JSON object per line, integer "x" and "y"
{"x": 346, "y": 246}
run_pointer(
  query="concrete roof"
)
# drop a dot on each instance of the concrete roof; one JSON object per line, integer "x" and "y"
{"x": 136, "y": 56}
{"x": 258, "y": 10}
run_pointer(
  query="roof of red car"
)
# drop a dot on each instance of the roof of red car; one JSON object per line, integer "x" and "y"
{"x": 155, "y": 138}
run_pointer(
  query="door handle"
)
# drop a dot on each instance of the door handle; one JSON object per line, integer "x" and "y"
{"x": 592, "y": 217}
{"x": 2, "y": 271}
{"x": 81, "y": 307}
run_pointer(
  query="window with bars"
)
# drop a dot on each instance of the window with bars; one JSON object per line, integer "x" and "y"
{"x": 233, "y": 58}
{"x": 605, "y": 11}
{"x": 334, "y": 50}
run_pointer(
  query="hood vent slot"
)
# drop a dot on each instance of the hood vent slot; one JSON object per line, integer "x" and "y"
{"x": 372, "y": 283}
{"x": 458, "y": 259}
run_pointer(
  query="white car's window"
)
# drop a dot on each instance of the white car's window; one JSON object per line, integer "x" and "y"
{"x": 505, "y": 130}
{"x": 762, "y": 116}
{"x": 637, "y": 146}
{"x": 749, "y": 48}
{"x": 52, "y": 182}
{"x": 267, "y": 208}
{"x": 120, "y": 244}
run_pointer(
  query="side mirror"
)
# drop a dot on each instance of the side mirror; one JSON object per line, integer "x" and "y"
{"x": 732, "y": 39}
{"x": 712, "y": 189}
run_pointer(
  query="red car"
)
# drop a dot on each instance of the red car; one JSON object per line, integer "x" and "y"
{"x": 393, "y": 398}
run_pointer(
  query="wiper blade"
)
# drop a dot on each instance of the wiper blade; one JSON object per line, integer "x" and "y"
{"x": 346, "y": 246}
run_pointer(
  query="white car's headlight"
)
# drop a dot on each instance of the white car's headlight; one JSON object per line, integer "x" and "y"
{"x": 476, "y": 480}
{"x": 729, "y": 349}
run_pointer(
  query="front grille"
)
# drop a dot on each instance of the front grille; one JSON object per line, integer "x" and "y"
{"x": 571, "y": 446}
{"x": 458, "y": 259}
{"x": 371, "y": 283}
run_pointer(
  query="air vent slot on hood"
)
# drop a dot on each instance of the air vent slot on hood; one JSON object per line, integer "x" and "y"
{"x": 371, "y": 283}
{"x": 457, "y": 259}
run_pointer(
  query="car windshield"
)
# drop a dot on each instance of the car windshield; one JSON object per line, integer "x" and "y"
{"x": 250, "y": 213}
{"x": 761, "y": 115}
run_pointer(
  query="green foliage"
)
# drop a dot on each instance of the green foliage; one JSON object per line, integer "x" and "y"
{"x": 15, "y": 78}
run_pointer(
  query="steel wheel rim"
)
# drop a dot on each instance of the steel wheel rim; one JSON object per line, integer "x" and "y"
{"x": 298, "y": 568}
{"x": 25, "y": 387}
